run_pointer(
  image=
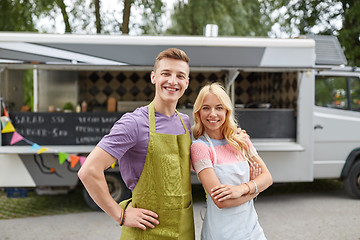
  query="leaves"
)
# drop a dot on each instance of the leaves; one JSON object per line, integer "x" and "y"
{"x": 299, "y": 17}
{"x": 153, "y": 11}
{"x": 16, "y": 15}
{"x": 349, "y": 34}
{"x": 233, "y": 17}
{"x": 276, "y": 18}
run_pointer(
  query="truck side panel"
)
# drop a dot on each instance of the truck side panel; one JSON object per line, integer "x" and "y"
{"x": 13, "y": 172}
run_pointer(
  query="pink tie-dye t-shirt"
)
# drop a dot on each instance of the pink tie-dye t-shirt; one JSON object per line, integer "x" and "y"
{"x": 203, "y": 157}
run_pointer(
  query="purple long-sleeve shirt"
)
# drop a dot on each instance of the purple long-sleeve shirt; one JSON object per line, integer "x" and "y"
{"x": 128, "y": 140}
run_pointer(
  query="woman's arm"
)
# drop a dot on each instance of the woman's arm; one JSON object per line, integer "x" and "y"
{"x": 228, "y": 196}
{"x": 209, "y": 180}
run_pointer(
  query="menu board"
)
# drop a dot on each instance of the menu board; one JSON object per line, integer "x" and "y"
{"x": 61, "y": 128}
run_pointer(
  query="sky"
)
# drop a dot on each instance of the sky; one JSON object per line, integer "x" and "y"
{"x": 45, "y": 24}
{"x": 111, "y": 5}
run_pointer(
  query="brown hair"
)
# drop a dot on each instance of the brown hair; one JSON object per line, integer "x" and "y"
{"x": 172, "y": 53}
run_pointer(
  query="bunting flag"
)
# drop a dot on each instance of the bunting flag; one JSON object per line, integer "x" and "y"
{"x": 74, "y": 160}
{"x": 82, "y": 160}
{"x": 35, "y": 146}
{"x": 4, "y": 107}
{"x": 62, "y": 157}
{"x": 42, "y": 149}
{"x": 6, "y": 113}
{"x": 113, "y": 165}
{"x": 8, "y": 128}
{"x": 16, "y": 137}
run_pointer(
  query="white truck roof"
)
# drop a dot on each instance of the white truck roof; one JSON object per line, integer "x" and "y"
{"x": 120, "y": 50}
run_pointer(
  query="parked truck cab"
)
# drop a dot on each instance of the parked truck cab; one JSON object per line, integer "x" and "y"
{"x": 336, "y": 126}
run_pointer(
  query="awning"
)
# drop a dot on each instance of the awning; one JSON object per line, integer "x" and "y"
{"x": 117, "y": 50}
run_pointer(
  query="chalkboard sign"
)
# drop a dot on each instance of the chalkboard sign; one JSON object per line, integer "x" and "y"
{"x": 61, "y": 128}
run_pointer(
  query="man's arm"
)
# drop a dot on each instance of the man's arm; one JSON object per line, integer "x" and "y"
{"x": 92, "y": 176}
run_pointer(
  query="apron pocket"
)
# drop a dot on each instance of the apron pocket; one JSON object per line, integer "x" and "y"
{"x": 176, "y": 223}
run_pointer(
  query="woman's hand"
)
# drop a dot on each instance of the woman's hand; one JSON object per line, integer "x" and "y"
{"x": 141, "y": 218}
{"x": 255, "y": 170}
{"x": 224, "y": 191}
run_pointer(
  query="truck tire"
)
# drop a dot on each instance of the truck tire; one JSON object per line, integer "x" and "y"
{"x": 117, "y": 189}
{"x": 352, "y": 181}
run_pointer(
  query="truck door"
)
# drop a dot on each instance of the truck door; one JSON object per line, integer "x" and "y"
{"x": 336, "y": 121}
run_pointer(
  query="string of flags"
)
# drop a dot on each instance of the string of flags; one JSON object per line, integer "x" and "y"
{"x": 7, "y": 127}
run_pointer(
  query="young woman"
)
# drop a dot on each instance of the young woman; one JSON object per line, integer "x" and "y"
{"x": 222, "y": 159}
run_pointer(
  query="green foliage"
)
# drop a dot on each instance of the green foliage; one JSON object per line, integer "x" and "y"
{"x": 28, "y": 89}
{"x": 68, "y": 106}
{"x": 299, "y": 17}
{"x": 16, "y": 15}
{"x": 349, "y": 34}
{"x": 153, "y": 11}
{"x": 233, "y": 17}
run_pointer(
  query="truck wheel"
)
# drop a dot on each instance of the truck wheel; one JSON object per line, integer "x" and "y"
{"x": 117, "y": 189}
{"x": 352, "y": 181}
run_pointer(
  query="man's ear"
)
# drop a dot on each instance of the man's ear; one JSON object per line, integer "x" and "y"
{"x": 187, "y": 82}
{"x": 152, "y": 77}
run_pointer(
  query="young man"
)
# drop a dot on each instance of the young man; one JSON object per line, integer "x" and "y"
{"x": 152, "y": 145}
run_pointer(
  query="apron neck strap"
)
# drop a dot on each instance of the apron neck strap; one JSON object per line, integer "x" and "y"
{"x": 212, "y": 146}
{"x": 151, "y": 109}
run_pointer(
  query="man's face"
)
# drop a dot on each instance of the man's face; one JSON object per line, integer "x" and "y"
{"x": 171, "y": 79}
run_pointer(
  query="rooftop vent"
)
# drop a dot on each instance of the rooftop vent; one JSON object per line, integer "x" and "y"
{"x": 328, "y": 50}
{"x": 211, "y": 30}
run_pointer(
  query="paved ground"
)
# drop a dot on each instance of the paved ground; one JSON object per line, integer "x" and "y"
{"x": 328, "y": 215}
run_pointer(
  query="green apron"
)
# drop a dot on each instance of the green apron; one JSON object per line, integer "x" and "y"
{"x": 164, "y": 186}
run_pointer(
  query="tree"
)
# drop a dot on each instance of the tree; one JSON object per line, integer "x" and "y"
{"x": 97, "y": 16}
{"x": 65, "y": 15}
{"x": 299, "y": 17}
{"x": 233, "y": 17}
{"x": 126, "y": 16}
{"x": 153, "y": 11}
{"x": 349, "y": 34}
{"x": 296, "y": 17}
{"x": 16, "y": 15}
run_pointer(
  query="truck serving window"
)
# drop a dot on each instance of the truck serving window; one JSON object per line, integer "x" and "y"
{"x": 339, "y": 92}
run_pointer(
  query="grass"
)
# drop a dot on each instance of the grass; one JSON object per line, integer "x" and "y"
{"x": 40, "y": 205}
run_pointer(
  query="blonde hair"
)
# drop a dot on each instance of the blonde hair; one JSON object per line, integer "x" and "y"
{"x": 229, "y": 128}
{"x": 172, "y": 53}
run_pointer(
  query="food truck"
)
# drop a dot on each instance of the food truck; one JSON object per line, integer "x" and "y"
{"x": 296, "y": 98}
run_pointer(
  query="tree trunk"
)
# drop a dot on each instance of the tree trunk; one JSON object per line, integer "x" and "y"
{"x": 62, "y": 7}
{"x": 97, "y": 16}
{"x": 126, "y": 16}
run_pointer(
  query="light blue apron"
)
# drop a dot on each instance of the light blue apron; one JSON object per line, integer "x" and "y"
{"x": 233, "y": 223}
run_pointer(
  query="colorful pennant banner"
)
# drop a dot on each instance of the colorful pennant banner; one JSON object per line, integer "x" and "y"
{"x": 7, "y": 127}
{"x": 16, "y": 138}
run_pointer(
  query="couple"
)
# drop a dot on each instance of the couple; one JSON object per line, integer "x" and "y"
{"x": 152, "y": 145}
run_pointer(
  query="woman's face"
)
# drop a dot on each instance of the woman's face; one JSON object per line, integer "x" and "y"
{"x": 212, "y": 115}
